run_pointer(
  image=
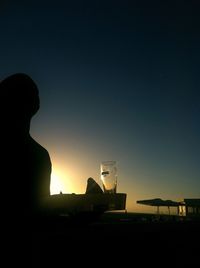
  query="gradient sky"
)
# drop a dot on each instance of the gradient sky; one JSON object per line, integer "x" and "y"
{"x": 118, "y": 80}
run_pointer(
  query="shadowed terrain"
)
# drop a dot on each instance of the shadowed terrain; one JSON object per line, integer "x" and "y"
{"x": 114, "y": 237}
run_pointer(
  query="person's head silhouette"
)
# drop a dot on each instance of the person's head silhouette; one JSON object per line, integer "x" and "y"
{"x": 27, "y": 161}
{"x": 20, "y": 101}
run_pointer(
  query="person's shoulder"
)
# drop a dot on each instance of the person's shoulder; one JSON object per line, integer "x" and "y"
{"x": 37, "y": 147}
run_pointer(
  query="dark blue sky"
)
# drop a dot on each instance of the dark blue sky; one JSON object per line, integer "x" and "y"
{"x": 118, "y": 80}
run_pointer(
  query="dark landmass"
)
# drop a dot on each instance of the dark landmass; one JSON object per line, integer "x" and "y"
{"x": 113, "y": 238}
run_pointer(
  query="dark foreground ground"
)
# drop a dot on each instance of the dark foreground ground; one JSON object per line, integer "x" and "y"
{"x": 119, "y": 239}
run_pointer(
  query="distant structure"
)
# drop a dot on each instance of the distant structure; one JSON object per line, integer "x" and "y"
{"x": 192, "y": 207}
{"x": 187, "y": 207}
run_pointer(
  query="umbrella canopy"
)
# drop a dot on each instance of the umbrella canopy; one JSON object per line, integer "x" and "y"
{"x": 159, "y": 202}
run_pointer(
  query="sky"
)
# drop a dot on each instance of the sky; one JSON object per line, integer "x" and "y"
{"x": 118, "y": 80}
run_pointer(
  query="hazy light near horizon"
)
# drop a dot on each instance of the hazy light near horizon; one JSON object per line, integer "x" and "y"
{"x": 59, "y": 182}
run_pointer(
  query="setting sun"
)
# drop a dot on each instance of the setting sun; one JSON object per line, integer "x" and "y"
{"x": 59, "y": 183}
{"x": 56, "y": 185}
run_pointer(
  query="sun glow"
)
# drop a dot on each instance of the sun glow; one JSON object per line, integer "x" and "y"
{"x": 59, "y": 183}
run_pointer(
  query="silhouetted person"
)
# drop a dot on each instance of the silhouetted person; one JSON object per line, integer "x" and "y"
{"x": 26, "y": 164}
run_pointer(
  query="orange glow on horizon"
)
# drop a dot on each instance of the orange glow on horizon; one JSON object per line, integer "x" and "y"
{"x": 59, "y": 182}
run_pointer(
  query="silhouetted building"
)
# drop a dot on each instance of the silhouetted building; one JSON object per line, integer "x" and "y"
{"x": 192, "y": 207}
